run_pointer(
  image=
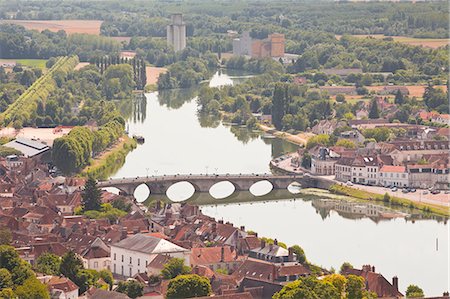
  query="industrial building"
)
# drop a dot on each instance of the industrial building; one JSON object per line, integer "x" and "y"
{"x": 176, "y": 33}
{"x": 273, "y": 46}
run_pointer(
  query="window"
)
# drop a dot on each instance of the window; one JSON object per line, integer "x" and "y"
{"x": 139, "y": 262}
{"x": 114, "y": 256}
{"x": 122, "y": 270}
{"x": 122, "y": 258}
{"x": 95, "y": 265}
{"x": 131, "y": 260}
{"x": 114, "y": 268}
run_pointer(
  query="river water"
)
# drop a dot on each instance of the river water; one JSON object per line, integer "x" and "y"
{"x": 178, "y": 140}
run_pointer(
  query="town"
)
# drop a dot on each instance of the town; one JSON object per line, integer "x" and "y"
{"x": 238, "y": 149}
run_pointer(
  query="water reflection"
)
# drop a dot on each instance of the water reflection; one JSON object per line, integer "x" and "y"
{"x": 208, "y": 120}
{"x": 176, "y": 98}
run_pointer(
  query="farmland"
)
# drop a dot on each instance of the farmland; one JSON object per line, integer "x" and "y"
{"x": 39, "y": 63}
{"x": 424, "y": 42}
{"x": 69, "y": 26}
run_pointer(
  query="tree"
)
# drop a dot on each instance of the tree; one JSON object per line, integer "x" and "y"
{"x": 345, "y": 266}
{"x": 374, "y": 112}
{"x": 32, "y": 289}
{"x": 5, "y": 236}
{"x": 107, "y": 276}
{"x": 355, "y": 287}
{"x": 308, "y": 288}
{"x": 340, "y": 98}
{"x": 346, "y": 143}
{"x": 188, "y": 286}
{"x": 414, "y": 291}
{"x": 399, "y": 99}
{"x": 91, "y": 196}
{"x": 386, "y": 197}
{"x": 338, "y": 281}
{"x": 132, "y": 288}
{"x": 175, "y": 267}
{"x": 48, "y": 263}
{"x": 306, "y": 160}
{"x": 70, "y": 265}
{"x": 300, "y": 253}
{"x": 5, "y": 279}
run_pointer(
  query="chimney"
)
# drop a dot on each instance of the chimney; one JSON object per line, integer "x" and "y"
{"x": 395, "y": 282}
{"x": 256, "y": 235}
{"x": 222, "y": 254}
{"x": 243, "y": 228}
{"x": 446, "y": 294}
{"x": 291, "y": 254}
{"x": 275, "y": 242}
{"x": 220, "y": 221}
{"x": 263, "y": 243}
{"x": 373, "y": 269}
{"x": 366, "y": 268}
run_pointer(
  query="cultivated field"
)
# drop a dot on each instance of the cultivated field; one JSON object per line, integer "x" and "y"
{"x": 81, "y": 65}
{"x": 69, "y": 26}
{"x": 153, "y": 74}
{"x": 39, "y": 63}
{"x": 414, "y": 90}
{"x": 424, "y": 42}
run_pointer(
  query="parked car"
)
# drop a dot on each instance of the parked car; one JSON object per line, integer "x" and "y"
{"x": 349, "y": 183}
{"x": 425, "y": 192}
{"x": 435, "y": 192}
{"x": 447, "y": 192}
{"x": 394, "y": 189}
{"x": 412, "y": 190}
{"x": 405, "y": 190}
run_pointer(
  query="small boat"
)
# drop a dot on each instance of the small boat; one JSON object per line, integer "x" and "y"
{"x": 268, "y": 136}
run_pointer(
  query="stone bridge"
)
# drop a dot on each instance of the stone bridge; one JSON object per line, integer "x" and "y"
{"x": 203, "y": 183}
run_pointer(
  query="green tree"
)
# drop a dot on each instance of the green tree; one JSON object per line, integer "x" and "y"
{"x": 71, "y": 264}
{"x": 413, "y": 291}
{"x": 399, "y": 98}
{"x": 345, "y": 266}
{"x": 5, "y": 279}
{"x": 48, "y": 263}
{"x": 308, "y": 288}
{"x": 355, "y": 287}
{"x": 300, "y": 253}
{"x": 107, "y": 276}
{"x": 91, "y": 196}
{"x": 374, "y": 112}
{"x": 7, "y": 293}
{"x": 32, "y": 289}
{"x": 175, "y": 267}
{"x": 132, "y": 288}
{"x": 5, "y": 236}
{"x": 188, "y": 286}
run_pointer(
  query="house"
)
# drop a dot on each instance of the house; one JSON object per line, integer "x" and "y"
{"x": 391, "y": 175}
{"x": 365, "y": 170}
{"x": 375, "y": 282}
{"x": 62, "y": 288}
{"x": 133, "y": 254}
{"x": 157, "y": 264}
{"x": 413, "y": 151}
{"x": 352, "y": 135}
{"x": 322, "y": 162}
{"x": 97, "y": 256}
{"x": 326, "y": 127}
{"x": 102, "y": 294}
{"x": 218, "y": 257}
{"x": 272, "y": 253}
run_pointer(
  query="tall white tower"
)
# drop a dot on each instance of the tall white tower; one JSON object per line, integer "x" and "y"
{"x": 176, "y": 33}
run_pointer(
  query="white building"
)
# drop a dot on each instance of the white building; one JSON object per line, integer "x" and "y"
{"x": 243, "y": 46}
{"x": 133, "y": 254}
{"x": 176, "y": 33}
{"x": 97, "y": 256}
{"x": 365, "y": 170}
{"x": 393, "y": 176}
{"x": 62, "y": 288}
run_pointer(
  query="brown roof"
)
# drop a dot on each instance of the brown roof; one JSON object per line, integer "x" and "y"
{"x": 212, "y": 255}
{"x": 61, "y": 283}
{"x": 159, "y": 261}
{"x": 391, "y": 168}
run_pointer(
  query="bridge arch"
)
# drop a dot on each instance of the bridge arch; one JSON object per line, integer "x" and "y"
{"x": 141, "y": 192}
{"x": 180, "y": 191}
{"x": 222, "y": 189}
{"x": 261, "y": 187}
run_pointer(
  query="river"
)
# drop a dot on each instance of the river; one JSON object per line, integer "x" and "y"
{"x": 178, "y": 140}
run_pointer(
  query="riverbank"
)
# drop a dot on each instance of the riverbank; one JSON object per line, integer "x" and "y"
{"x": 111, "y": 160}
{"x": 392, "y": 200}
{"x": 299, "y": 139}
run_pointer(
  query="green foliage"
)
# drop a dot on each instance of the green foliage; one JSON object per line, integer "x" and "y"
{"x": 188, "y": 286}
{"x": 300, "y": 253}
{"x": 379, "y": 134}
{"x": 413, "y": 291}
{"x": 175, "y": 267}
{"x": 346, "y": 143}
{"x": 374, "y": 111}
{"x": 32, "y": 289}
{"x": 344, "y": 266}
{"x": 48, "y": 263}
{"x": 118, "y": 81}
{"x": 22, "y": 111}
{"x": 91, "y": 196}
{"x": 132, "y": 288}
{"x": 386, "y": 197}
{"x": 321, "y": 140}
{"x": 5, "y": 279}
{"x": 107, "y": 277}
{"x": 308, "y": 288}
{"x": 5, "y": 236}
{"x": 6, "y": 151}
{"x": 71, "y": 264}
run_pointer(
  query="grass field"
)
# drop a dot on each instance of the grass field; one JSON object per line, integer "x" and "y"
{"x": 69, "y": 26}
{"x": 424, "y": 42}
{"x": 39, "y": 63}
